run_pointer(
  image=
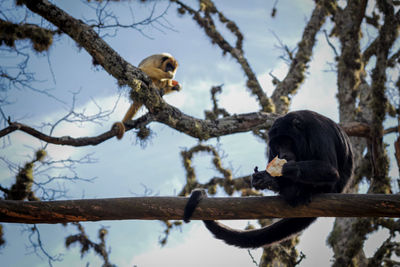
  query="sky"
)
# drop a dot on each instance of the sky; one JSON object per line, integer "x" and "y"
{"x": 67, "y": 69}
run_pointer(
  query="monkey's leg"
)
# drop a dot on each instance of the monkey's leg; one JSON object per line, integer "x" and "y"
{"x": 133, "y": 109}
{"x": 156, "y": 73}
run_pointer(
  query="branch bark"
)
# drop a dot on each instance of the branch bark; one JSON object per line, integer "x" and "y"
{"x": 171, "y": 208}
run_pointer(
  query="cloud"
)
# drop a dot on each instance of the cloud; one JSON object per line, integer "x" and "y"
{"x": 318, "y": 92}
{"x": 196, "y": 248}
{"x": 313, "y": 243}
{"x": 236, "y": 99}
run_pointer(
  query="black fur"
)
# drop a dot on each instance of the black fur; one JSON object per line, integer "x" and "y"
{"x": 319, "y": 160}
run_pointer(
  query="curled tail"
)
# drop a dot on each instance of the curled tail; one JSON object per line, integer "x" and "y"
{"x": 265, "y": 236}
{"x": 268, "y": 235}
{"x": 120, "y": 127}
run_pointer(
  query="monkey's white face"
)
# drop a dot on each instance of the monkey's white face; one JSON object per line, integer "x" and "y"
{"x": 169, "y": 65}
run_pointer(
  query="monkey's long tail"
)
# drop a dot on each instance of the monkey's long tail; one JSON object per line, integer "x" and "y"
{"x": 265, "y": 236}
{"x": 268, "y": 235}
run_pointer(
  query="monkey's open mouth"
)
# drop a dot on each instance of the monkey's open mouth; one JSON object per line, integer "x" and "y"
{"x": 169, "y": 67}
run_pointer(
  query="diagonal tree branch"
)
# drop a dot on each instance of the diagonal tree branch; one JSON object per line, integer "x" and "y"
{"x": 86, "y": 37}
{"x": 288, "y": 86}
{"x": 204, "y": 19}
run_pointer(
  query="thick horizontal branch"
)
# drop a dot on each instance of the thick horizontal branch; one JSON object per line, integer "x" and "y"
{"x": 171, "y": 208}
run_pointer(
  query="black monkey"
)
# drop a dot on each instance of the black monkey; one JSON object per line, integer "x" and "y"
{"x": 319, "y": 160}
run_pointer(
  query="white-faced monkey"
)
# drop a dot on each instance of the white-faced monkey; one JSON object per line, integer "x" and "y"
{"x": 161, "y": 69}
{"x": 319, "y": 160}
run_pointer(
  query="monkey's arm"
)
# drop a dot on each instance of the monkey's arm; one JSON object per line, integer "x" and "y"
{"x": 133, "y": 109}
{"x": 311, "y": 172}
{"x": 156, "y": 73}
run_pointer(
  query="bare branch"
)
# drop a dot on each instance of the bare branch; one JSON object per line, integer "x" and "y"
{"x": 204, "y": 19}
{"x": 86, "y": 244}
{"x": 85, "y": 36}
{"x": 289, "y": 85}
{"x": 38, "y": 248}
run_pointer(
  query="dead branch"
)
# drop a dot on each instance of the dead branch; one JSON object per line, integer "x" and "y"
{"x": 171, "y": 208}
{"x": 205, "y": 20}
{"x": 296, "y": 74}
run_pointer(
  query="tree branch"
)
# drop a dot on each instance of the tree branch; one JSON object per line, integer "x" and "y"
{"x": 197, "y": 128}
{"x": 287, "y": 88}
{"x": 205, "y": 20}
{"x": 86, "y": 37}
{"x": 171, "y": 208}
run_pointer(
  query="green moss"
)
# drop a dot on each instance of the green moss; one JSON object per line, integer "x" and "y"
{"x": 41, "y": 154}
{"x": 212, "y": 189}
{"x": 41, "y": 38}
{"x": 143, "y": 133}
{"x": 285, "y": 100}
{"x": 334, "y": 236}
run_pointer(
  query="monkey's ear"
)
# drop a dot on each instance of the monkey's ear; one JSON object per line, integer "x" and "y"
{"x": 298, "y": 124}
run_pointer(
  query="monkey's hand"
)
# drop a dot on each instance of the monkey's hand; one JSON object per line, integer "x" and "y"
{"x": 175, "y": 86}
{"x": 263, "y": 180}
{"x": 169, "y": 74}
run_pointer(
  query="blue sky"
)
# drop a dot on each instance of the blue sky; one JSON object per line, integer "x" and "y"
{"x": 124, "y": 168}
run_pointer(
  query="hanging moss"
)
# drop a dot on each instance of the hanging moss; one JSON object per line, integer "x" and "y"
{"x": 2, "y": 241}
{"x": 334, "y": 236}
{"x": 40, "y": 155}
{"x": 143, "y": 133}
{"x": 22, "y": 188}
{"x": 41, "y": 38}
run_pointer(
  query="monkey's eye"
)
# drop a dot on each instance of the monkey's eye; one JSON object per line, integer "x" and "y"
{"x": 169, "y": 67}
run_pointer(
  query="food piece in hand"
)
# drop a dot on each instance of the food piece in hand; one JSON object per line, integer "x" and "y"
{"x": 274, "y": 167}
